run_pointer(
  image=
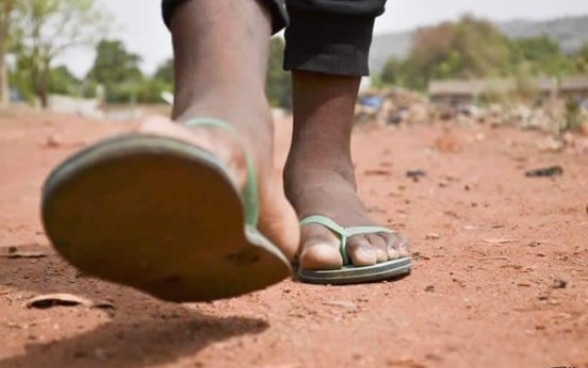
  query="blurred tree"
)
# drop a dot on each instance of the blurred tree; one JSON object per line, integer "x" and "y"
{"x": 583, "y": 52}
{"x": 278, "y": 84}
{"x": 62, "y": 81}
{"x": 165, "y": 72}
{"x": 542, "y": 56}
{"x": 8, "y": 10}
{"x": 20, "y": 77}
{"x": 162, "y": 81}
{"x": 535, "y": 49}
{"x": 393, "y": 72}
{"x": 582, "y": 59}
{"x": 52, "y": 27}
{"x": 470, "y": 48}
{"x": 117, "y": 70}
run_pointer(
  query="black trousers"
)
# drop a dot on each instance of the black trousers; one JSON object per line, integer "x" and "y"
{"x": 322, "y": 36}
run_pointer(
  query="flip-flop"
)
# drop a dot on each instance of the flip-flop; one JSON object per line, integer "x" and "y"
{"x": 160, "y": 215}
{"x": 350, "y": 274}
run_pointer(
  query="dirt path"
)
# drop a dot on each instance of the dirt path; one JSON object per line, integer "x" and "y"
{"x": 501, "y": 276}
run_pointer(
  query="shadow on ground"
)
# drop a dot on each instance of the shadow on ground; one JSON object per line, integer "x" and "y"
{"x": 142, "y": 332}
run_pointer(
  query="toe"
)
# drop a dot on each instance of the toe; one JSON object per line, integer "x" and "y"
{"x": 397, "y": 245}
{"x": 320, "y": 256}
{"x": 361, "y": 252}
{"x": 379, "y": 244}
{"x": 320, "y": 249}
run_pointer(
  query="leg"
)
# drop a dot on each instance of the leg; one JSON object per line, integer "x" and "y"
{"x": 184, "y": 211}
{"x": 319, "y": 175}
{"x": 220, "y": 71}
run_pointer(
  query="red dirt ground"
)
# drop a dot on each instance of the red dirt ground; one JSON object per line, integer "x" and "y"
{"x": 500, "y": 278}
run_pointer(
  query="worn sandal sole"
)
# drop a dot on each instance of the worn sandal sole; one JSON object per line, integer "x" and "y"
{"x": 159, "y": 215}
{"x": 357, "y": 275}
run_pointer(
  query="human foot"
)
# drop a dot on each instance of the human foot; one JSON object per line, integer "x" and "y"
{"x": 277, "y": 219}
{"x": 319, "y": 176}
{"x": 316, "y": 191}
{"x": 173, "y": 210}
{"x": 161, "y": 211}
{"x": 228, "y": 82}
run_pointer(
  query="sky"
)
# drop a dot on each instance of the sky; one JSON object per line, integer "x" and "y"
{"x": 138, "y": 22}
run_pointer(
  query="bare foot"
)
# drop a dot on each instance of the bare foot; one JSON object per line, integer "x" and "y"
{"x": 277, "y": 220}
{"x": 315, "y": 191}
{"x": 319, "y": 176}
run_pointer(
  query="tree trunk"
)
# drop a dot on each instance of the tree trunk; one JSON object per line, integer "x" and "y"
{"x": 44, "y": 83}
{"x": 6, "y": 8}
{"x": 4, "y": 91}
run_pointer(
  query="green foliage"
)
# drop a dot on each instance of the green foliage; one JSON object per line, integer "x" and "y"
{"x": 393, "y": 72}
{"x": 117, "y": 70}
{"x": 62, "y": 81}
{"x": 541, "y": 56}
{"x": 582, "y": 59}
{"x": 20, "y": 79}
{"x": 165, "y": 72}
{"x": 114, "y": 64}
{"x": 278, "y": 85}
{"x": 469, "y": 48}
{"x": 535, "y": 49}
{"x": 573, "y": 115}
{"x": 474, "y": 48}
{"x": 8, "y": 35}
{"x": 51, "y": 27}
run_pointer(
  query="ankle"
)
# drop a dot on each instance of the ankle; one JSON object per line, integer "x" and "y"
{"x": 299, "y": 170}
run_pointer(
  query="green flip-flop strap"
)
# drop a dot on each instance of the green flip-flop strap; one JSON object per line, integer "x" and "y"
{"x": 343, "y": 233}
{"x": 250, "y": 195}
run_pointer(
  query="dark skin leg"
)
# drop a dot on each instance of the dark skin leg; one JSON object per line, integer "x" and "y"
{"x": 220, "y": 64}
{"x": 319, "y": 175}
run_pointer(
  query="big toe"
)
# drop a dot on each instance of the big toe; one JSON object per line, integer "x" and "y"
{"x": 319, "y": 255}
{"x": 320, "y": 249}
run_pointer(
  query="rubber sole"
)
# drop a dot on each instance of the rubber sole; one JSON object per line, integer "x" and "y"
{"x": 356, "y": 275}
{"x": 158, "y": 215}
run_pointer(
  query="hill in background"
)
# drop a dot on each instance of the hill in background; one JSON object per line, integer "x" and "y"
{"x": 569, "y": 32}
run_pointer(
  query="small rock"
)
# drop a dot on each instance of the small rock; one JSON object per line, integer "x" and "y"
{"x": 432, "y": 236}
{"x": 418, "y": 256}
{"x": 65, "y": 300}
{"x": 551, "y": 145}
{"x": 415, "y": 175}
{"x": 559, "y": 284}
{"x": 545, "y": 172}
{"x": 53, "y": 141}
{"x": 498, "y": 241}
{"x": 378, "y": 172}
{"x": 430, "y": 288}
{"x": 448, "y": 143}
{"x": 349, "y": 306}
{"x": 24, "y": 254}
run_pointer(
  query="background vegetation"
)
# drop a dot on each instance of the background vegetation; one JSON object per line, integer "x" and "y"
{"x": 475, "y": 48}
{"x": 36, "y": 33}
